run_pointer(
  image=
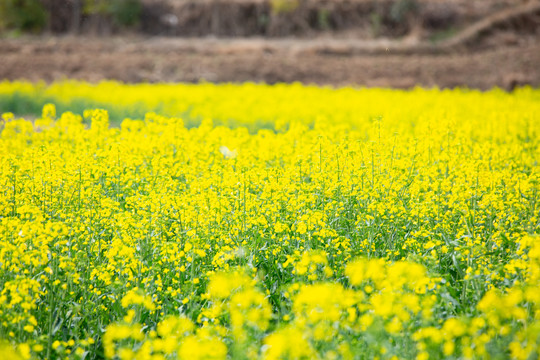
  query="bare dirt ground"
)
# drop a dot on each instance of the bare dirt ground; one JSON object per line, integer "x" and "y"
{"x": 484, "y": 55}
{"x": 318, "y": 61}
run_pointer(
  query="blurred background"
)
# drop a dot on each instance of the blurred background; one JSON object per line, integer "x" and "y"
{"x": 384, "y": 43}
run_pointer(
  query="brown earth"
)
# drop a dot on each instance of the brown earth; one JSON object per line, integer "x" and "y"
{"x": 502, "y": 50}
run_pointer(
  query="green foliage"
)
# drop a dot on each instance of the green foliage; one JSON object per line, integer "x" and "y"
{"x": 22, "y": 104}
{"x": 402, "y": 8}
{"x": 95, "y": 7}
{"x": 121, "y": 12}
{"x": 125, "y": 12}
{"x": 323, "y": 19}
{"x": 26, "y": 15}
{"x": 283, "y": 6}
{"x": 376, "y": 23}
{"x": 442, "y": 35}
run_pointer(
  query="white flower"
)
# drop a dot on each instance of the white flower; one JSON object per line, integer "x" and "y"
{"x": 228, "y": 154}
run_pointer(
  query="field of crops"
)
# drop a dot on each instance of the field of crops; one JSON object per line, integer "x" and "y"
{"x": 273, "y": 222}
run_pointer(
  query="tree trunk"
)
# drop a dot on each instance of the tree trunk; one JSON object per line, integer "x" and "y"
{"x": 76, "y": 17}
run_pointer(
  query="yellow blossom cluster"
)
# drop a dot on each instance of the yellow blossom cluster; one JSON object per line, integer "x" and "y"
{"x": 274, "y": 222}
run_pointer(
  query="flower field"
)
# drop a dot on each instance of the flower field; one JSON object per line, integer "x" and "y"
{"x": 268, "y": 222}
